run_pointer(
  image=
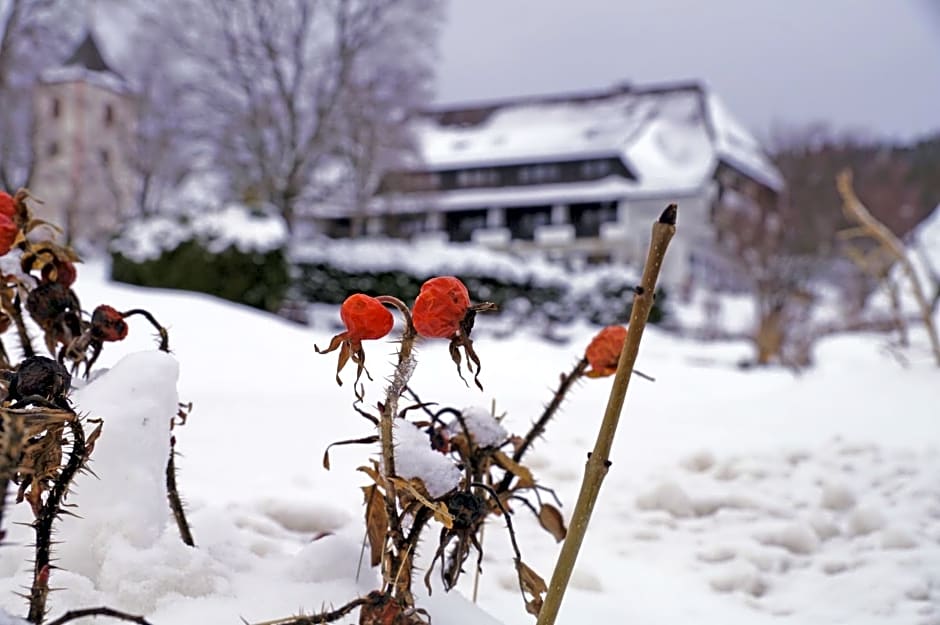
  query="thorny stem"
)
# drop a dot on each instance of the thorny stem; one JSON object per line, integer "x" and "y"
{"x": 398, "y": 558}
{"x": 173, "y": 496}
{"x": 598, "y": 461}
{"x": 538, "y": 428}
{"x": 421, "y": 518}
{"x": 71, "y": 615}
{"x": 323, "y": 617}
{"x": 512, "y": 533}
{"x": 47, "y": 515}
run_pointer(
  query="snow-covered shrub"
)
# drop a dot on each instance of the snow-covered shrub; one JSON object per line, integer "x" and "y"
{"x": 530, "y": 289}
{"x": 237, "y": 254}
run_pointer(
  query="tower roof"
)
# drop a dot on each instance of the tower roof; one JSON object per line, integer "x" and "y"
{"x": 88, "y": 55}
{"x": 87, "y": 64}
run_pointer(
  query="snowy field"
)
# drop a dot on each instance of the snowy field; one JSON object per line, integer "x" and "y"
{"x": 735, "y": 497}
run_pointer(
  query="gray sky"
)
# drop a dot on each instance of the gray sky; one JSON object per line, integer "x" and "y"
{"x": 868, "y": 65}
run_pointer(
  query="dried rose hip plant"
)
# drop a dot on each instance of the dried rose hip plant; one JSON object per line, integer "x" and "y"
{"x": 440, "y": 465}
{"x": 43, "y": 442}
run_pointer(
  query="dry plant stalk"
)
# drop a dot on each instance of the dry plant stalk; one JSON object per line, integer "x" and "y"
{"x": 856, "y": 211}
{"x": 598, "y": 461}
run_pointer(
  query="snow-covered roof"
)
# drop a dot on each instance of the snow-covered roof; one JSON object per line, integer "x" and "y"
{"x": 667, "y": 136}
{"x": 87, "y": 64}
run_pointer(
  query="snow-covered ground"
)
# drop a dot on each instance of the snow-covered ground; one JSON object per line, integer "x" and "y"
{"x": 734, "y": 496}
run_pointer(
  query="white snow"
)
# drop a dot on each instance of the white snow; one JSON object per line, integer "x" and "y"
{"x": 414, "y": 458}
{"x": 78, "y": 73}
{"x": 746, "y": 458}
{"x": 485, "y": 429}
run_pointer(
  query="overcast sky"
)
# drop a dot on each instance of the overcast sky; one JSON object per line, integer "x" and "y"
{"x": 870, "y": 65}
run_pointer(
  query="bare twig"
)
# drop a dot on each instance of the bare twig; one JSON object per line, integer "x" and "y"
{"x": 598, "y": 461}
{"x": 856, "y": 211}
{"x": 71, "y": 615}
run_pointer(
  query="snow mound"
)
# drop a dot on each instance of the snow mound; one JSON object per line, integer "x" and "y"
{"x": 414, "y": 458}
{"x": 818, "y": 511}
{"x": 136, "y": 400}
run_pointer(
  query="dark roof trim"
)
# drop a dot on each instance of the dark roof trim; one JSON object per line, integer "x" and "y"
{"x": 88, "y": 55}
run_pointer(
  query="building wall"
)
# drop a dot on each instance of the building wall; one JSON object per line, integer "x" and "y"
{"x": 84, "y": 162}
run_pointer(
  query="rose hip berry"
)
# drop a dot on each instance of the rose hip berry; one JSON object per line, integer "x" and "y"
{"x": 365, "y": 318}
{"x": 7, "y": 205}
{"x": 61, "y": 271}
{"x": 440, "y": 307}
{"x": 603, "y": 353}
{"x": 8, "y": 233}
{"x": 107, "y": 324}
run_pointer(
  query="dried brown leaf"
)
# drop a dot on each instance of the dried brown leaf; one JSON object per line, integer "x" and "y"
{"x": 92, "y": 438}
{"x": 441, "y": 513}
{"x": 373, "y": 472}
{"x": 550, "y": 518}
{"x": 365, "y": 440}
{"x": 533, "y": 585}
{"x": 523, "y": 473}
{"x": 376, "y": 522}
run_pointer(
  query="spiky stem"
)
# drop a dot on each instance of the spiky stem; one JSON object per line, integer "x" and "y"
{"x": 173, "y": 496}
{"x": 599, "y": 460}
{"x": 397, "y": 565}
{"x": 47, "y": 515}
{"x": 328, "y": 616}
{"x": 538, "y": 428}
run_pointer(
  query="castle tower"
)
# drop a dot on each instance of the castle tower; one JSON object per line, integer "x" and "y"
{"x": 84, "y": 145}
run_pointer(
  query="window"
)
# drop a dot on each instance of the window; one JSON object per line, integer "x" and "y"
{"x": 56, "y": 107}
{"x": 52, "y": 149}
{"x": 537, "y": 174}
{"x": 523, "y": 221}
{"x": 108, "y": 115}
{"x": 478, "y": 178}
{"x": 587, "y": 218}
{"x": 461, "y": 224}
{"x": 105, "y": 156}
{"x": 594, "y": 169}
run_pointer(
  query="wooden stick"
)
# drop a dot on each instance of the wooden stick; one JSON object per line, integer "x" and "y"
{"x": 599, "y": 461}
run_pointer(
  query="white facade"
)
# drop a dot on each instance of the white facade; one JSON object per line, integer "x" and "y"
{"x": 84, "y": 142}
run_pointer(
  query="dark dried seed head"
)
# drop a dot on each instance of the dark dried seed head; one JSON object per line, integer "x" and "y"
{"x": 42, "y": 377}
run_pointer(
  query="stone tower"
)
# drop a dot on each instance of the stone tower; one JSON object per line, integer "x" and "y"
{"x": 84, "y": 145}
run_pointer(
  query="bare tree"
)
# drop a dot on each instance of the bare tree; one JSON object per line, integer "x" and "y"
{"x": 165, "y": 153}
{"x": 293, "y": 93}
{"x": 34, "y": 35}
